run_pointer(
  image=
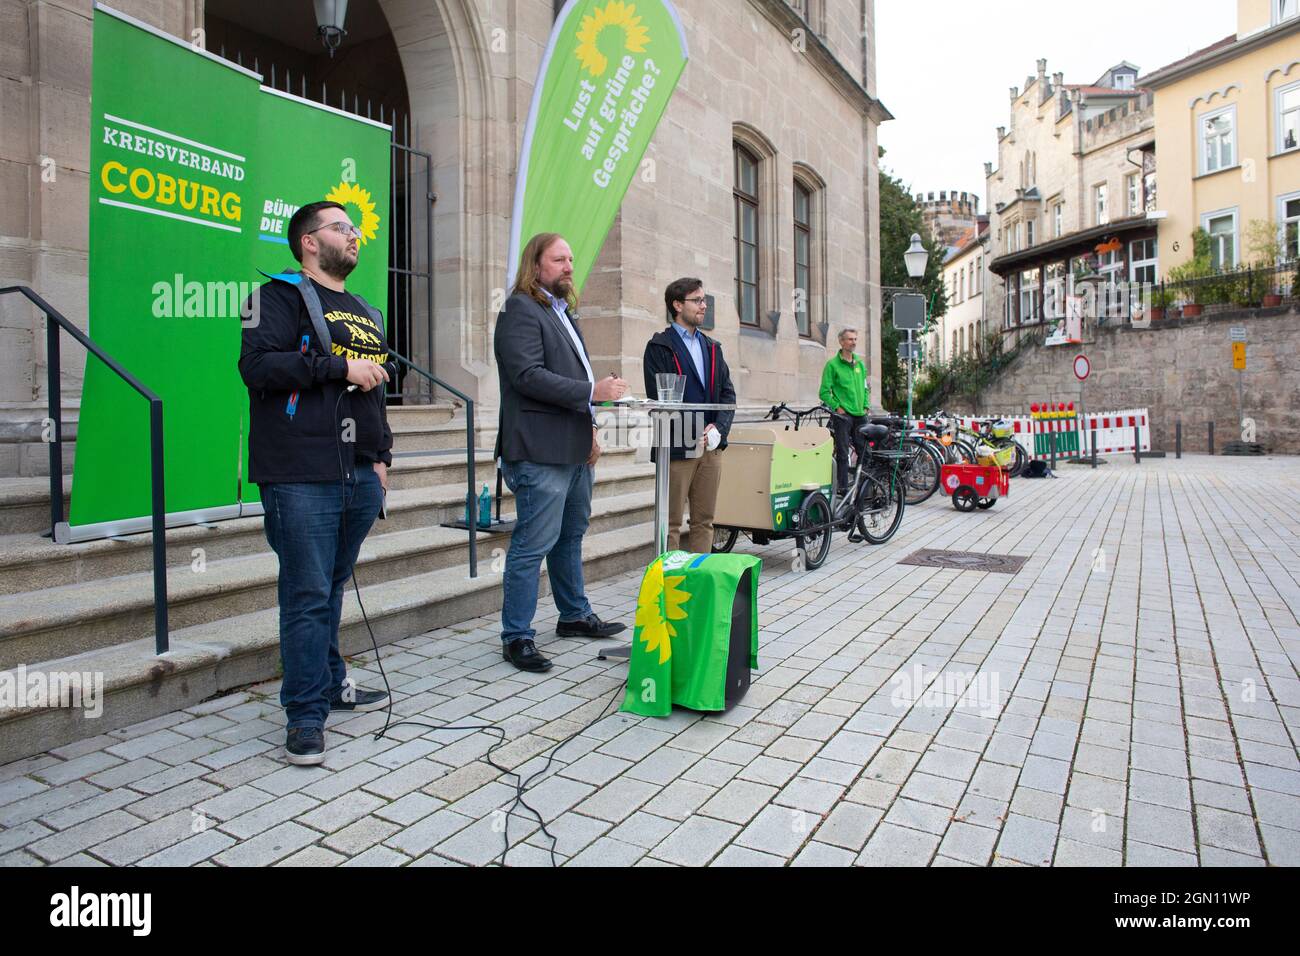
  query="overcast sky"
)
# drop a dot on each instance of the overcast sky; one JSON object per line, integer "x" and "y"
{"x": 945, "y": 68}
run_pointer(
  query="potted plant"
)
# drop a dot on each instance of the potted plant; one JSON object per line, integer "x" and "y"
{"x": 1265, "y": 244}
{"x": 1161, "y": 299}
{"x": 1190, "y": 277}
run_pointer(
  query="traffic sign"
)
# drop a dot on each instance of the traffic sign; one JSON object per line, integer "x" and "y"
{"x": 1237, "y": 333}
{"x": 1082, "y": 367}
{"x": 909, "y": 312}
{"x": 1239, "y": 356}
{"x": 903, "y": 350}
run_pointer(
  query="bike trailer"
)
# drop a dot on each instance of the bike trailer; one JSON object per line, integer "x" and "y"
{"x": 974, "y": 486}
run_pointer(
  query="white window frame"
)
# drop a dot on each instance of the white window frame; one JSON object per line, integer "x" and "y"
{"x": 1058, "y": 219}
{"x": 1277, "y": 117}
{"x": 1201, "y": 120}
{"x": 1282, "y": 218}
{"x": 1101, "y": 204}
{"x": 1207, "y": 218}
{"x": 1279, "y": 10}
{"x": 1029, "y": 233}
{"x": 1134, "y": 263}
{"x": 1133, "y": 193}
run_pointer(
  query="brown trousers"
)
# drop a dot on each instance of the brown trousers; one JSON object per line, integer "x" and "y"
{"x": 696, "y": 480}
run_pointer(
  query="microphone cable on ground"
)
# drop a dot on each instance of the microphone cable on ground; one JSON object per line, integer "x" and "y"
{"x": 521, "y": 786}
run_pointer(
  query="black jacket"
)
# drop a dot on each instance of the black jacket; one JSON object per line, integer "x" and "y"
{"x": 665, "y": 352}
{"x": 305, "y": 445}
{"x": 545, "y": 394}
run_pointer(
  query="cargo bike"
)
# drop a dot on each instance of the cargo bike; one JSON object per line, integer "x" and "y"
{"x": 777, "y": 484}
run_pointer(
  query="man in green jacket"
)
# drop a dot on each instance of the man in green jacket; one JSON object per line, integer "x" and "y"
{"x": 844, "y": 392}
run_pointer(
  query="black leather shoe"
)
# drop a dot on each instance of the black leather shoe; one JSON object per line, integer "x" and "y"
{"x": 524, "y": 655}
{"x": 591, "y": 627}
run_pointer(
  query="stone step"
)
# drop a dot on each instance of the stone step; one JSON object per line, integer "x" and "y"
{"x": 74, "y": 618}
{"x": 29, "y": 562}
{"x": 209, "y": 658}
{"x": 25, "y": 504}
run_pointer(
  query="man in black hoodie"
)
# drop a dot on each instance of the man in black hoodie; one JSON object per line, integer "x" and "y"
{"x": 695, "y": 470}
{"x": 315, "y": 361}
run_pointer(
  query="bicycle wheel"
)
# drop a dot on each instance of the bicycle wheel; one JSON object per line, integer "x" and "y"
{"x": 814, "y": 512}
{"x": 963, "y": 452}
{"x": 1021, "y": 462}
{"x": 724, "y": 539}
{"x": 921, "y": 476}
{"x": 880, "y": 510}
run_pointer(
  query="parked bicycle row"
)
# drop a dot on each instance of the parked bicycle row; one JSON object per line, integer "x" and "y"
{"x": 804, "y": 474}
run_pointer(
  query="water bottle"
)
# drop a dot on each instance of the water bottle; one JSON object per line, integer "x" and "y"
{"x": 485, "y": 508}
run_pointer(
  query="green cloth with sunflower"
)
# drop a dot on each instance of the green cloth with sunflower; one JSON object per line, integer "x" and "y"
{"x": 683, "y": 631}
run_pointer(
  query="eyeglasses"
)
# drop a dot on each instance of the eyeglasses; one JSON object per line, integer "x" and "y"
{"x": 342, "y": 228}
{"x": 696, "y": 300}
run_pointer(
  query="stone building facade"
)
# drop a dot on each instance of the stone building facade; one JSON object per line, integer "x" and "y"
{"x": 1070, "y": 196}
{"x": 790, "y": 82}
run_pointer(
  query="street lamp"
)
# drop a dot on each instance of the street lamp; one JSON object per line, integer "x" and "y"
{"x": 916, "y": 259}
{"x": 330, "y": 15}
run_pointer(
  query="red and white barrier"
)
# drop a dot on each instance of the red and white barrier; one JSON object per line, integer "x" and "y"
{"x": 1114, "y": 431}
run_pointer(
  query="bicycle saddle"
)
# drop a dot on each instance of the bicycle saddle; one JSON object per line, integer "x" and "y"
{"x": 873, "y": 433}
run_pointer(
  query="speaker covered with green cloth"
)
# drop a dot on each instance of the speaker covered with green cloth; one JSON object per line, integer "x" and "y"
{"x": 696, "y": 633}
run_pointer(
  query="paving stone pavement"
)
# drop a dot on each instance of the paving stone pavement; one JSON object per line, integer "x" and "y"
{"x": 1130, "y": 696}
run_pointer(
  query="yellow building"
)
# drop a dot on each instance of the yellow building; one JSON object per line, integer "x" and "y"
{"x": 1228, "y": 137}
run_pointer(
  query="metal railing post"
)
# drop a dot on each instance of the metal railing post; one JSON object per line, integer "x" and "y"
{"x": 1137, "y": 444}
{"x": 470, "y": 502}
{"x": 54, "y": 389}
{"x": 1178, "y": 439}
{"x": 161, "y": 636}
{"x": 53, "y": 321}
{"x": 1211, "y": 434}
{"x": 1092, "y": 439}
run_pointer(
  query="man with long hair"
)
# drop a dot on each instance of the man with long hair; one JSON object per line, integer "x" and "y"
{"x": 546, "y": 443}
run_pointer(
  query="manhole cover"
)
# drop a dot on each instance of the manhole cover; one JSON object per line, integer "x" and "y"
{"x": 965, "y": 561}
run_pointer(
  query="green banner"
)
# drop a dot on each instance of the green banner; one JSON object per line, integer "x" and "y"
{"x": 195, "y": 171}
{"x": 682, "y": 636}
{"x": 608, "y": 73}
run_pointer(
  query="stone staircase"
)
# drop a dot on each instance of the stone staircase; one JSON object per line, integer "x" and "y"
{"x": 89, "y": 607}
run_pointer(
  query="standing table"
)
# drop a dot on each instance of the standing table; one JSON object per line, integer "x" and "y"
{"x": 661, "y": 421}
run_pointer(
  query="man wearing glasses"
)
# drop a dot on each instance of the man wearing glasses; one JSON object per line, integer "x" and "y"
{"x": 683, "y": 349}
{"x": 315, "y": 361}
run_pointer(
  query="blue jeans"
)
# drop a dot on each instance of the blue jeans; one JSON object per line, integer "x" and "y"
{"x": 305, "y": 525}
{"x": 552, "y": 505}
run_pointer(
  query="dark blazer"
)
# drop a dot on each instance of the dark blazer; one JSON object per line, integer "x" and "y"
{"x": 665, "y": 352}
{"x": 545, "y": 395}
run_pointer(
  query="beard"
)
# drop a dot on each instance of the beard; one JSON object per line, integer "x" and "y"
{"x": 562, "y": 287}
{"x": 337, "y": 262}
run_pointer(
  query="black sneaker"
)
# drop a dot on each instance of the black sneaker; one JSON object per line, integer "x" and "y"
{"x": 305, "y": 746}
{"x": 362, "y": 701}
{"x": 591, "y": 627}
{"x": 524, "y": 655}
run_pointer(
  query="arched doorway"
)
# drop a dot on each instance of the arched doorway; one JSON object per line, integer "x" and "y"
{"x": 364, "y": 76}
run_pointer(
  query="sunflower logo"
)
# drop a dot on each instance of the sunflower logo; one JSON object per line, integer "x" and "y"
{"x": 659, "y": 603}
{"x": 350, "y": 194}
{"x": 618, "y": 14}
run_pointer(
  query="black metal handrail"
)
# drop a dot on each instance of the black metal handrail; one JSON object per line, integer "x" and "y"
{"x": 55, "y": 320}
{"x": 471, "y": 512}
